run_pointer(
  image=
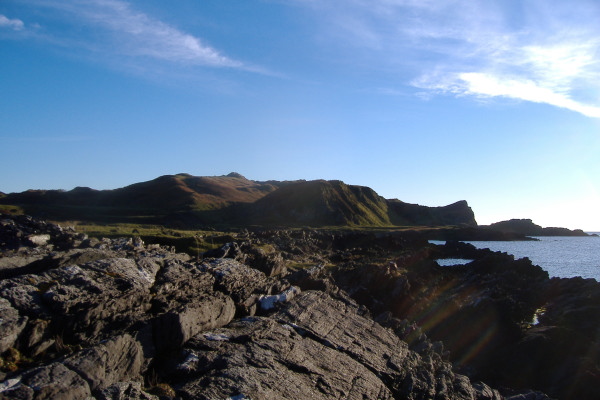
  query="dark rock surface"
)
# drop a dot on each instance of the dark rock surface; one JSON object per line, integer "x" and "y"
{"x": 287, "y": 314}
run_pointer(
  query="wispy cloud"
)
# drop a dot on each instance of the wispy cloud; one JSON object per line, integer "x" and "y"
{"x": 15, "y": 24}
{"x": 115, "y": 29}
{"x": 544, "y": 51}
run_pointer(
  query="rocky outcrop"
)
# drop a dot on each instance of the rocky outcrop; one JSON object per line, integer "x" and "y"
{"x": 346, "y": 315}
{"x": 321, "y": 348}
{"x": 527, "y": 227}
{"x": 457, "y": 214}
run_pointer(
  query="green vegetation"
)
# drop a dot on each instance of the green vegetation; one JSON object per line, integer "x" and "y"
{"x": 10, "y": 209}
{"x": 187, "y": 202}
{"x": 193, "y": 242}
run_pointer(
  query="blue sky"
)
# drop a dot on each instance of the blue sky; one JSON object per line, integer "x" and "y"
{"x": 430, "y": 101}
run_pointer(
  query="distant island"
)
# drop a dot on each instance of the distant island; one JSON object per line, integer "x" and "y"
{"x": 528, "y": 228}
{"x": 232, "y": 201}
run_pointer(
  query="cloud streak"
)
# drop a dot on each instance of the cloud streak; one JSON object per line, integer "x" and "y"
{"x": 543, "y": 51}
{"x": 114, "y": 28}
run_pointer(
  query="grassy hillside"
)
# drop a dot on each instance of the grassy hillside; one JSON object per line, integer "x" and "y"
{"x": 321, "y": 203}
{"x": 187, "y": 201}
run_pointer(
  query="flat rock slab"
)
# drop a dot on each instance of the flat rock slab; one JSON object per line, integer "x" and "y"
{"x": 314, "y": 347}
{"x": 260, "y": 358}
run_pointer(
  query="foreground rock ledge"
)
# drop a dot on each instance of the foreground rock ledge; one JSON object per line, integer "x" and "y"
{"x": 115, "y": 319}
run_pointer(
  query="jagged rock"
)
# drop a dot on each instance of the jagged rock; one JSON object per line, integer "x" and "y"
{"x": 174, "y": 328}
{"x": 341, "y": 326}
{"x": 141, "y": 310}
{"x": 123, "y": 391}
{"x": 11, "y": 325}
{"x": 271, "y": 263}
{"x": 117, "y": 359}
{"x": 242, "y": 283}
{"x": 49, "y": 382}
{"x": 87, "y": 298}
{"x": 179, "y": 283}
{"x": 323, "y": 349}
{"x": 261, "y": 359}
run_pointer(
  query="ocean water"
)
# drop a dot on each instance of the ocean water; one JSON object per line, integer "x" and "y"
{"x": 563, "y": 257}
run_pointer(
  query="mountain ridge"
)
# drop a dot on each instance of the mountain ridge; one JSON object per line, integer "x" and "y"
{"x": 237, "y": 201}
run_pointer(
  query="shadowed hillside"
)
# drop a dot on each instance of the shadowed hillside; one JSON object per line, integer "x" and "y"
{"x": 187, "y": 201}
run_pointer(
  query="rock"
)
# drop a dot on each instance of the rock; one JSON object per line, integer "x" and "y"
{"x": 88, "y": 298}
{"x": 99, "y": 317}
{"x": 179, "y": 283}
{"x": 117, "y": 359}
{"x": 340, "y": 326}
{"x": 53, "y": 381}
{"x": 259, "y": 358}
{"x": 239, "y": 281}
{"x": 268, "y": 302}
{"x": 39, "y": 240}
{"x": 228, "y": 250}
{"x": 124, "y": 391}
{"x": 174, "y": 328}
{"x": 11, "y": 325}
{"x": 270, "y": 263}
{"x": 322, "y": 349}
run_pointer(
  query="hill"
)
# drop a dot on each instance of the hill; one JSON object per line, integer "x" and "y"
{"x": 321, "y": 203}
{"x": 233, "y": 200}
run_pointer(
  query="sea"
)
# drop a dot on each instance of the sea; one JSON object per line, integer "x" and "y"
{"x": 563, "y": 257}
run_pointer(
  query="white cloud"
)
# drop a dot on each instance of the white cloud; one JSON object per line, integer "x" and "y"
{"x": 544, "y": 51}
{"x": 113, "y": 27}
{"x": 481, "y": 84}
{"x": 15, "y": 24}
{"x": 144, "y": 35}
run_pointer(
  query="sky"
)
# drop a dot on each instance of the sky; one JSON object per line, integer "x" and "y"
{"x": 496, "y": 102}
